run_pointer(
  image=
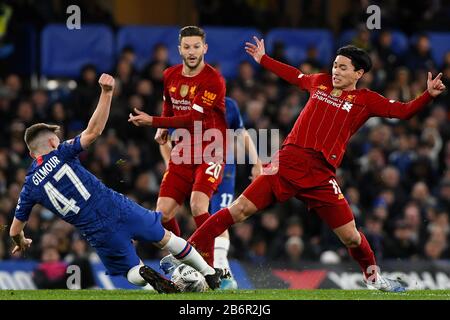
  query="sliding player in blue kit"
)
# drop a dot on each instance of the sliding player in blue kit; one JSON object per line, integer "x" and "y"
{"x": 108, "y": 220}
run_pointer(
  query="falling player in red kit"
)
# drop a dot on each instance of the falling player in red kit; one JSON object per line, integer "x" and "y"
{"x": 194, "y": 94}
{"x": 306, "y": 164}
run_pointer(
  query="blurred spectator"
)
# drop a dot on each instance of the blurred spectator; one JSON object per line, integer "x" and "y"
{"x": 421, "y": 195}
{"x": 436, "y": 247}
{"x": 246, "y": 76}
{"x": 81, "y": 257}
{"x": 362, "y": 38}
{"x": 125, "y": 74}
{"x": 402, "y": 84}
{"x": 85, "y": 95}
{"x": 153, "y": 70}
{"x": 414, "y": 218}
{"x": 373, "y": 230}
{"x": 129, "y": 55}
{"x": 293, "y": 250}
{"x": 403, "y": 155}
{"x": 419, "y": 57}
{"x": 51, "y": 272}
{"x": 389, "y": 59}
{"x": 444, "y": 195}
{"x": 401, "y": 245}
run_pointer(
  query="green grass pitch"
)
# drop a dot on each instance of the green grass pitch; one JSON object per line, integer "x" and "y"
{"x": 267, "y": 294}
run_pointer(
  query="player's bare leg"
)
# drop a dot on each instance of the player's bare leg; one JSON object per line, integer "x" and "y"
{"x": 168, "y": 206}
{"x": 199, "y": 207}
{"x": 360, "y": 250}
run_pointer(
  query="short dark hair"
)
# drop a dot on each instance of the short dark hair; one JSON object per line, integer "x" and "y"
{"x": 191, "y": 31}
{"x": 359, "y": 57}
{"x": 31, "y": 133}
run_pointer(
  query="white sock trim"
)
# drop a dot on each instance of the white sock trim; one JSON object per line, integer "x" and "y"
{"x": 222, "y": 243}
{"x": 221, "y": 247}
{"x": 175, "y": 244}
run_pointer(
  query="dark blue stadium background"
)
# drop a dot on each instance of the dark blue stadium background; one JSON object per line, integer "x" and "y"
{"x": 395, "y": 174}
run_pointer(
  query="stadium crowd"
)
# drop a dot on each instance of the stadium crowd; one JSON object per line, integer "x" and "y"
{"x": 395, "y": 175}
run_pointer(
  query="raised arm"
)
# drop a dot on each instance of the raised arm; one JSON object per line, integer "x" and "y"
{"x": 100, "y": 116}
{"x": 284, "y": 71}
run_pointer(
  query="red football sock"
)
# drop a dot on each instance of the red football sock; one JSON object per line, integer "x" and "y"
{"x": 363, "y": 254}
{"x": 203, "y": 238}
{"x": 200, "y": 219}
{"x": 172, "y": 225}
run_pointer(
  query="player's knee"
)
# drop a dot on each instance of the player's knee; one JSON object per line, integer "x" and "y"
{"x": 351, "y": 240}
{"x": 198, "y": 208}
{"x": 241, "y": 209}
{"x": 167, "y": 213}
{"x": 135, "y": 278}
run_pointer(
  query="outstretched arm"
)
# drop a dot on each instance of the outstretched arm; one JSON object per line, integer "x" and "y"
{"x": 100, "y": 116}
{"x": 212, "y": 90}
{"x": 184, "y": 121}
{"x": 383, "y": 107}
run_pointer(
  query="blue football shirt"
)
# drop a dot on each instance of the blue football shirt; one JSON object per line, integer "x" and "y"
{"x": 61, "y": 184}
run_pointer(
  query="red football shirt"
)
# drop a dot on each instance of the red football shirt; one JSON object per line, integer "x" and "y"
{"x": 189, "y": 99}
{"x": 332, "y": 116}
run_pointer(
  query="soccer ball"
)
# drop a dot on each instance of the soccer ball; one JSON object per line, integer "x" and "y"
{"x": 187, "y": 279}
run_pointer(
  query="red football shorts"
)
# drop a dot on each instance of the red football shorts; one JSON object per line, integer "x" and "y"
{"x": 306, "y": 175}
{"x": 181, "y": 179}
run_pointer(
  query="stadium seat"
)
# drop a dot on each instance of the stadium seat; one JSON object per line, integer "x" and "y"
{"x": 399, "y": 45}
{"x": 297, "y": 41}
{"x": 226, "y": 47}
{"x": 143, "y": 40}
{"x": 64, "y": 52}
{"x": 440, "y": 45}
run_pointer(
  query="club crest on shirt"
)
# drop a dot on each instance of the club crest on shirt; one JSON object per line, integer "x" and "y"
{"x": 184, "y": 90}
{"x": 192, "y": 92}
{"x": 336, "y": 92}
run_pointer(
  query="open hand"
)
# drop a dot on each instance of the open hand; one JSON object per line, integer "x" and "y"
{"x": 435, "y": 86}
{"x": 256, "y": 51}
